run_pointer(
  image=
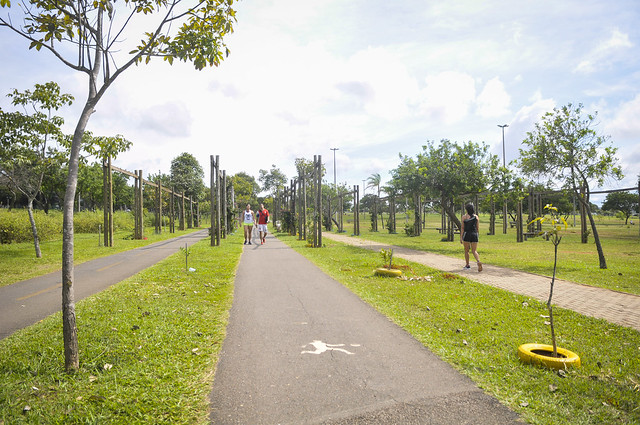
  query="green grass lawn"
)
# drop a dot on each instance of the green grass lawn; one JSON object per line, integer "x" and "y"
{"x": 148, "y": 348}
{"x": 18, "y": 260}
{"x": 477, "y": 329}
{"x": 577, "y": 262}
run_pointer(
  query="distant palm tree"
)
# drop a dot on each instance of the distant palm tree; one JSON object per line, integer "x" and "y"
{"x": 374, "y": 180}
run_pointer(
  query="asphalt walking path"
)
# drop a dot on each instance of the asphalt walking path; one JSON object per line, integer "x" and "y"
{"x": 303, "y": 349}
{"x": 616, "y": 307}
{"x": 25, "y": 303}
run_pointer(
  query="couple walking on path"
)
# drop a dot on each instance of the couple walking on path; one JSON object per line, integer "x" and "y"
{"x": 248, "y": 219}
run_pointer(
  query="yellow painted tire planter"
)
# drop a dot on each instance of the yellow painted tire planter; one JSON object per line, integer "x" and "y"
{"x": 387, "y": 272}
{"x": 534, "y": 354}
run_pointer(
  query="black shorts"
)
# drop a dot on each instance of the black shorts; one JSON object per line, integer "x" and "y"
{"x": 470, "y": 237}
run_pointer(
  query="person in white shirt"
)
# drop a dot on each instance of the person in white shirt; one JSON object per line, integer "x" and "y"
{"x": 248, "y": 218}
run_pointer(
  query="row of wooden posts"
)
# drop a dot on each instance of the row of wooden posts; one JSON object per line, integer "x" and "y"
{"x": 304, "y": 193}
{"x": 222, "y": 198}
{"x": 292, "y": 203}
{"x": 295, "y": 194}
{"x": 190, "y": 220}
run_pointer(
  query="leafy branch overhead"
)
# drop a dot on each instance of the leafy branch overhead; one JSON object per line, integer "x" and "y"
{"x": 184, "y": 31}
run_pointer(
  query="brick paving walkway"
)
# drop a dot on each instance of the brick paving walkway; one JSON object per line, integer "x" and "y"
{"x": 616, "y": 307}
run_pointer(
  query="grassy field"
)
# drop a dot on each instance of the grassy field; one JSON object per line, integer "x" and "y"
{"x": 148, "y": 349}
{"x": 477, "y": 329}
{"x": 577, "y": 262}
{"x": 18, "y": 260}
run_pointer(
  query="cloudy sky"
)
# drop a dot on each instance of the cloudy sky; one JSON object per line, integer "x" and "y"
{"x": 372, "y": 78}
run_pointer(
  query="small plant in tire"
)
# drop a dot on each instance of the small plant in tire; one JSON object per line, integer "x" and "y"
{"x": 550, "y": 356}
{"x": 552, "y": 234}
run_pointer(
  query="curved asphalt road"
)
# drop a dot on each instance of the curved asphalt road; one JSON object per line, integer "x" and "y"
{"x": 303, "y": 349}
{"x": 24, "y": 303}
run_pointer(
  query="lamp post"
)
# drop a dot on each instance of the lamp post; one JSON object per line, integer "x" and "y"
{"x": 334, "y": 166}
{"x": 504, "y": 161}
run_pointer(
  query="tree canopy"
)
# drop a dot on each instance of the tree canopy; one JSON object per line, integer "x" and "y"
{"x": 272, "y": 180}
{"x": 565, "y": 149}
{"x": 624, "y": 202}
{"x": 187, "y": 175}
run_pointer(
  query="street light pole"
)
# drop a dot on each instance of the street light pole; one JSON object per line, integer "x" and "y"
{"x": 334, "y": 166}
{"x": 504, "y": 161}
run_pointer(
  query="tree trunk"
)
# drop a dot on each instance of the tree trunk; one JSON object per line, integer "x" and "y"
{"x": 69, "y": 328}
{"x": 585, "y": 203}
{"x": 596, "y": 238}
{"x": 556, "y": 242}
{"x": 34, "y": 229}
{"x": 448, "y": 208}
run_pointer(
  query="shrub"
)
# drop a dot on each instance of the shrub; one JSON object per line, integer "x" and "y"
{"x": 16, "y": 227}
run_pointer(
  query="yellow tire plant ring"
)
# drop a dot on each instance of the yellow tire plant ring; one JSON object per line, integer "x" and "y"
{"x": 540, "y": 354}
{"x": 387, "y": 272}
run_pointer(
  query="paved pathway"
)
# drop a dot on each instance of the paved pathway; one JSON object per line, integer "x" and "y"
{"x": 24, "y": 303}
{"x": 303, "y": 349}
{"x": 616, "y": 307}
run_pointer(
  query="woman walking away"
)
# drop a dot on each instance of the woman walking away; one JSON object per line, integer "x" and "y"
{"x": 469, "y": 235}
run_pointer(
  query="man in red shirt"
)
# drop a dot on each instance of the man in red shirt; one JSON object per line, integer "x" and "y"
{"x": 263, "y": 219}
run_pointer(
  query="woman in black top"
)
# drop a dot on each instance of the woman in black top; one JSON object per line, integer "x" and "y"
{"x": 469, "y": 235}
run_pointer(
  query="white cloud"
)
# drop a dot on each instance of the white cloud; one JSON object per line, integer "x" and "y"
{"x": 625, "y": 123}
{"x": 494, "y": 100}
{"x": 448, "y": 96}
{"x": 604, "y": 53}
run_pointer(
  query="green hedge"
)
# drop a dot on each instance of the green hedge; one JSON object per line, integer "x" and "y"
{"x": 15, "y": 225}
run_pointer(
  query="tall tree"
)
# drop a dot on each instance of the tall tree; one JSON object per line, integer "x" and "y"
{"x": 32, "y": 142}
{"x": 187, "y": 175}
{"x": 245, "y": 188}
{"x": 624, "y": 202}
{"x": 92, "y": 38}
{"x": 451, "y": 170}
{"x": 565, "y": 148}
{"x": 272, "y": 180}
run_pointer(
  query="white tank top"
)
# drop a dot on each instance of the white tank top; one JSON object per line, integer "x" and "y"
{"x": 248, "y": 216}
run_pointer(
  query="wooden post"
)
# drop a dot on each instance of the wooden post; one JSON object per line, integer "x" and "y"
{"x": 105, "y": 201}
{"x": 416, "y": 215}
{"x": 443, "y": 219}
{"x": 182, "y": 212}
{"x": 492, "y": 219}
{"x": 300, "y": 204}
{"x": 304, "y": 207}
{"x": 318, "y": 200}
{"x": 374, "y": 221}
{"x": 505, "y": 220}
{"x": 172, "y": 212}
{"x": 356, "y": 218}
{"x": 223, "y": 189}
{"x": 218, "y": 206}
{"x": 519, "y": 226}
{"x": 212, "y": 196}
{"x": 110, "y": 192}
{"x": 141, "y": 204}
{"x": 531, "y": 216}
